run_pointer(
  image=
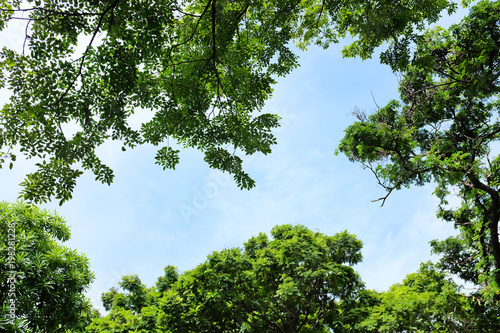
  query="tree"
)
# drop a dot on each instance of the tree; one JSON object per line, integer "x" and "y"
{"x": 299, "y": 281}
{"x": 292, "y": 283}
{"x": 428, "y": 301}
{"x": 201, "y": 69}
{"x": 296, "y": 282}
{"x": 42, "y": 282}
{"x": 136, "y": 308}
{"x": 443, "y": 130}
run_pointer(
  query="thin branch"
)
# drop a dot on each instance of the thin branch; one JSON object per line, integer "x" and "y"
{"x": 26, "y": 35}
{"x": 195, "y": 28}
{"x": 374, "y": 101}
{"x": 384, "y": 197}
{"x": 185, "y": 13}
{"x": 320, "y": 13}
{"x": 389, "y": 189}
{"x": 463, "y": 223}
{"x": 243, "y": 12}
{"x": 96, "y": 30}
{"x": 488, "y": 177}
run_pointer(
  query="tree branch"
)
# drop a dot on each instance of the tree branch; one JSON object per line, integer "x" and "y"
{"x": 493, "y": 220}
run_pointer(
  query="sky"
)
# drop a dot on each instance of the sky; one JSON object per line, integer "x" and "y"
{"x": 150, "y": 218}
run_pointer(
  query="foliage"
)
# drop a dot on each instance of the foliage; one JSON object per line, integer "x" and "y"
{"x": 296, "y": 282}
{"x": 118, "y": 320}
{"x": 443, "y": 130}
{"x": 135, "y": 309}
{"x": 428, "y": 301}
{"x": 40, "y": 279}
{"x": 194, "y": 72}
{"x": 458, "y": 257}
{"x": 86, "y": 319}
{"x": 134, "y": 300}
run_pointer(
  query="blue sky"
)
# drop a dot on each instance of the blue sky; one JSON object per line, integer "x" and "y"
{"x": 150, "y": 218}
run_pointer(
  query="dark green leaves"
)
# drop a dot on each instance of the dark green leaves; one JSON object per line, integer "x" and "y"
{"x": 53, "y": 179}
{"x": 205, "y": 68}
{"x": 167, "y": 157}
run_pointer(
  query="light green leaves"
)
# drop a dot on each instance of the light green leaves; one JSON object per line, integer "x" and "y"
{"x": 50, "y": 278}
{"x": 427, "y": 301}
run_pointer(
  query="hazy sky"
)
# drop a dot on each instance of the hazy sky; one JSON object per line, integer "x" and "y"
{"x": 150, "y": 218}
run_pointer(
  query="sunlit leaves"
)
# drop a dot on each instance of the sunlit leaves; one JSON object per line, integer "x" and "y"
{"x": 428, "y": 301}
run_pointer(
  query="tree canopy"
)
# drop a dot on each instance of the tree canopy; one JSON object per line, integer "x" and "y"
{"x": 42, "y": 282}
{"x": 428, "y": 301}
{"x": 297, "y": 281}
{"x": 195, "y": 72}
{"x": 443, "y": 130}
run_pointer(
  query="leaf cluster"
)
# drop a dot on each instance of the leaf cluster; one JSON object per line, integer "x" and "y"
{"x": 428, "y": 301}
{"x": 45, "y": 279}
